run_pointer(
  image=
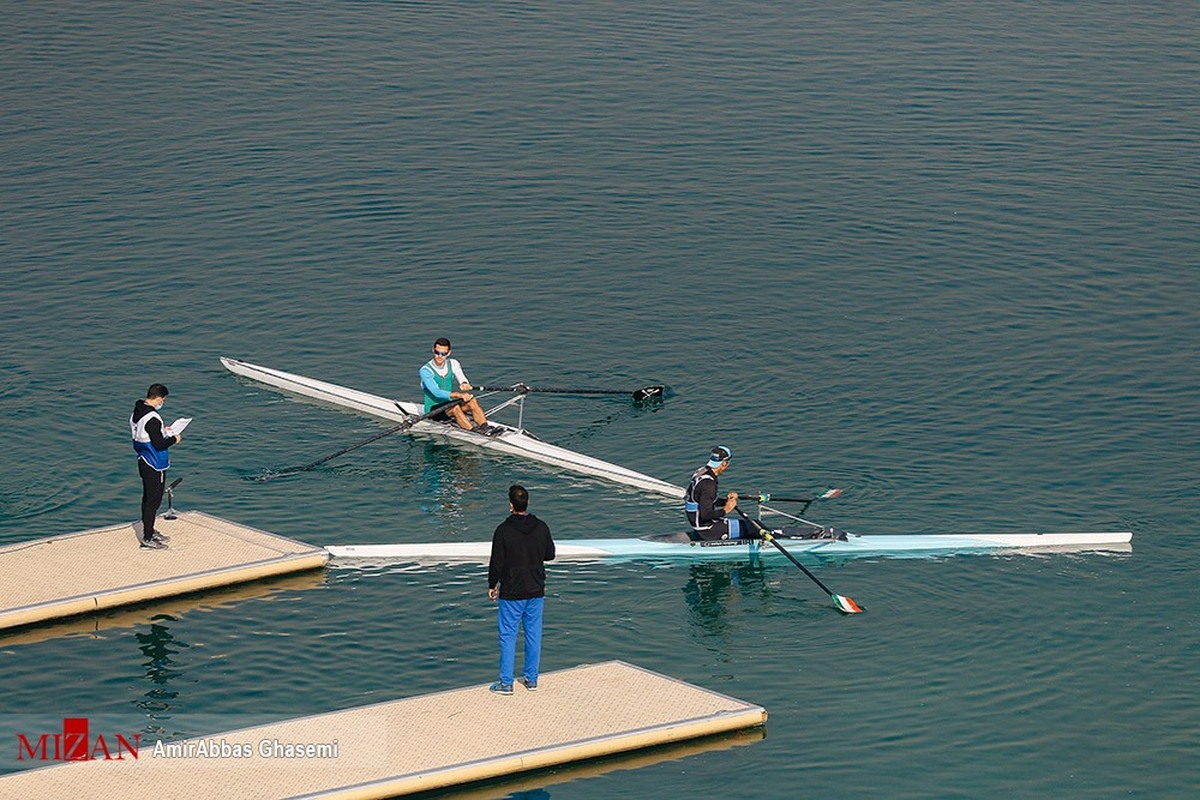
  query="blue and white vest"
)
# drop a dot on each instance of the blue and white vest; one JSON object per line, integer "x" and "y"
{"x": 155, "y": 458}
{"x": 690, "y": 507}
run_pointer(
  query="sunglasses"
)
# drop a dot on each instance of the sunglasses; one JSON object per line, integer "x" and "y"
{"x": 441, "y": 353}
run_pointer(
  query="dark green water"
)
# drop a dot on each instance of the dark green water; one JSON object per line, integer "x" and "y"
{"x": 943, "y": 255}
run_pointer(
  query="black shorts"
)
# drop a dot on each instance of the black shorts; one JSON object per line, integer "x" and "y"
{"x": 730, "y": 529}
{"x": 437, "y": 415}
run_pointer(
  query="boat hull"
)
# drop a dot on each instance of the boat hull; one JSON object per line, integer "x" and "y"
{"x": 852, "y": 546}
{"x": 512, "y": 441}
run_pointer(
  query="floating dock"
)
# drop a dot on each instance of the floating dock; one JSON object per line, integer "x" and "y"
{"x": 412, "y": 745}
{"x": 77, "y": 573}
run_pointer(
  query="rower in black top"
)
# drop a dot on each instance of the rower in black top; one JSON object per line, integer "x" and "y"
{"x": 706, "y": 513}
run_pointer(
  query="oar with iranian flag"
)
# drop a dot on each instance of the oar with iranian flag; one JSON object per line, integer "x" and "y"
{"x": 840, "y": 602}
{"x": 761, "y": 497}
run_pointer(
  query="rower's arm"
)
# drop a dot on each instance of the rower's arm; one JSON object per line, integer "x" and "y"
{"x": 711, "y": 508}
{"x": 430, "y": 384}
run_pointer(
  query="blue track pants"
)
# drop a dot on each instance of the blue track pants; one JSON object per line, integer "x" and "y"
{"x": 526, "y": 613}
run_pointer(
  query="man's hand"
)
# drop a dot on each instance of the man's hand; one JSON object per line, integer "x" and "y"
{"x": 731, "y": 501}
{"x": 494, "y": 593}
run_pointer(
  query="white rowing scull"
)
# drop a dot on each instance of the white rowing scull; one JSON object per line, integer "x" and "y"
{"x": 680, "y": 546}
{"x": 512, "y": 440}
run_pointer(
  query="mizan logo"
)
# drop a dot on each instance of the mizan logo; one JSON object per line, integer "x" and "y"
{"x": 75, "y": 743}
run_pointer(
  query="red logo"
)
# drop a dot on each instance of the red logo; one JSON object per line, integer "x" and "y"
{"x": 75, "y": 743}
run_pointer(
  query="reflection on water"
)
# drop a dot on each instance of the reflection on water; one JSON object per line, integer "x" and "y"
{"x": 718, "y": 594}
{"x": 448, "y": 473}
{"x": 533, "y": 785}
{"x": 160, "y": 647}
{"x": 101, "y": 623}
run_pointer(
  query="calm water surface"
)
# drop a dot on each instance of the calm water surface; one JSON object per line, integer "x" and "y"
{"x": 943, "y": 255}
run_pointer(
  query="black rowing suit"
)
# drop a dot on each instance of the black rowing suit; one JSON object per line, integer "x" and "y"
{"x": 705, "y": 510}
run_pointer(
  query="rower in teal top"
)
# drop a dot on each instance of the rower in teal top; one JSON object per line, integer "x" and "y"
{"x": 438, "y": 378}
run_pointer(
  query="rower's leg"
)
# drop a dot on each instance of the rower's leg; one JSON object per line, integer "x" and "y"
{"x": 476, "y": 412}
{"x": 720, "y": 529}
{"x": 748, "y": 529}
{"x": 457, "y": 413}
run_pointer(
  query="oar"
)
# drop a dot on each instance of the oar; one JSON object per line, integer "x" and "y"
{"x": 762, "y": 498}
{"x": 828, "y": 494}
{"x": 408, "y": 423}
{"x": 644, "y": 393}
{"x": 840, "y": 602}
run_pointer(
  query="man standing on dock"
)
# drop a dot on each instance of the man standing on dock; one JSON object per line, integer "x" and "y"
{"x": 150, "y": 442}
{"x": 517, "y": 579}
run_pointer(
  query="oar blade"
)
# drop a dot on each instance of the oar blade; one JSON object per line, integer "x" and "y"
{"x": 649, "y": 393}
{"x": 270, "y": 475}
{"x": 845, "y": 604}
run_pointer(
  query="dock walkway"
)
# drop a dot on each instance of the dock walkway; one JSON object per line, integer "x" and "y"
{"x": 76, "y": 573}
{"x": 410, "y": 745}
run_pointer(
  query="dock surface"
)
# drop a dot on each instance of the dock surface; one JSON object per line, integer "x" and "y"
{"x": 412, "y": 745}
{"x": 77, "y": 573}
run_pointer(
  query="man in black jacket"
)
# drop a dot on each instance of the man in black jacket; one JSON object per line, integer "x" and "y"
{"x": 517, "y": 579}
